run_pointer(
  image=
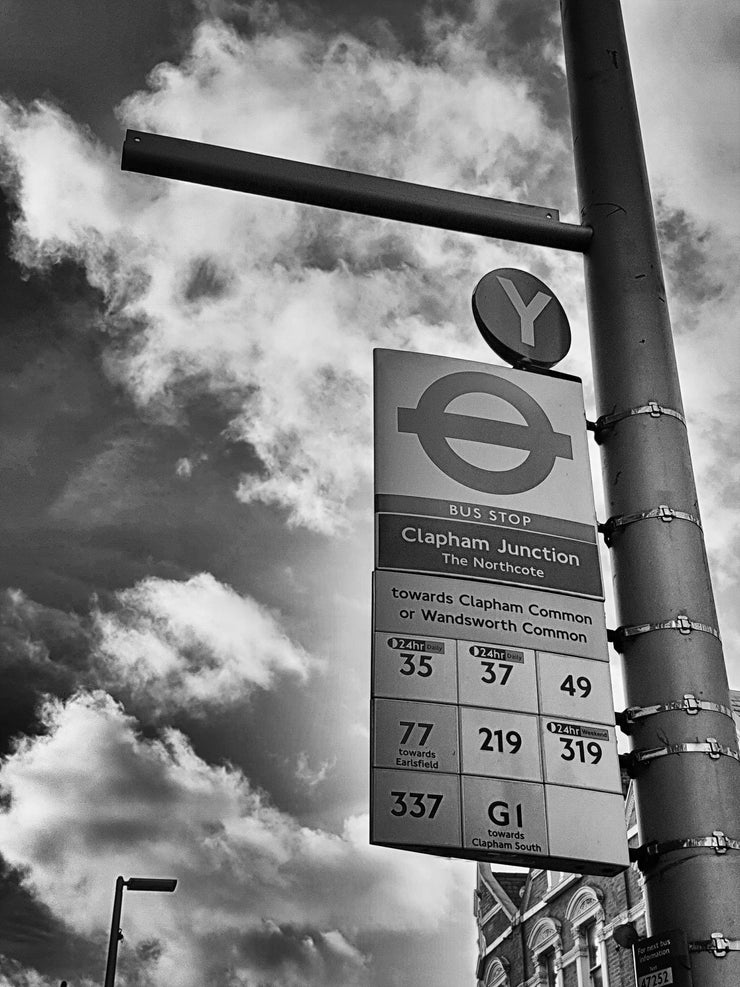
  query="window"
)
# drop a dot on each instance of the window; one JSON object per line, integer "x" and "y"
{"x": 497, "y": 974}
{"x": 586, "y": 916}
{"x": 549, "y": 974}
{"x": 554, "y": 877}
{"x": 547, "y": 951}
{"x": 594, "y": 955}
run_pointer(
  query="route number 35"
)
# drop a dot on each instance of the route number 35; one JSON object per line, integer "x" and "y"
{"x": 418, "y": 664}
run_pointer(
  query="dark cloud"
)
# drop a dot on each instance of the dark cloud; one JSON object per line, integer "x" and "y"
{"x": 521, "y": 38}
{"x": 88, "y": 55}
{"x": 206, "y": 279}
{"x": 387, "y": 25}
{"x": 42, "y": 651}
{"x": 32, "y": 937}
{"x": 91, "y": 497}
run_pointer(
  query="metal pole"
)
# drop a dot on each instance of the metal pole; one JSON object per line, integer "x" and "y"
{"x": 279, "y": 178}
{"x": 688, "y": 789}
{"x": 115, "y": 929}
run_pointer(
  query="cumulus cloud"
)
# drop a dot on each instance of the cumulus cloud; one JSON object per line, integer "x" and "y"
{"x": 164, "y": 646}
{"x": 92, "y": 799}
{"x": 190, "y": 645}
{"x": 277, "y": 303}
{"x": 311, "y": 777}
{"x": 14, "y": 974}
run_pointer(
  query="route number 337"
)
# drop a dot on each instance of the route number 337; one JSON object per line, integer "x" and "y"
{"x": 419, "y": 804}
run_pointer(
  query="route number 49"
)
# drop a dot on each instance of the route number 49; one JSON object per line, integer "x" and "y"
{"x": 581, "y": 685}
{"x": 418, "y": 806}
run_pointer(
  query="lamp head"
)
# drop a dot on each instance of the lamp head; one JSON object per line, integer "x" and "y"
{"x": 151, "y": 884}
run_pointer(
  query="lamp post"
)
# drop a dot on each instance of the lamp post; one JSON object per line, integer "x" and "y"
{"x": 133, "y": 884}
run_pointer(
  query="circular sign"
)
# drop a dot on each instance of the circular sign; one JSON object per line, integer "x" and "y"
{"x": 520, "y": 318}
{"x": 434, "y": 426}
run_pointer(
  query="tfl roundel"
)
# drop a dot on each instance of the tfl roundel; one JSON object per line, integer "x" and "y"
{"x": 520, "y": 318}
{"x": 435, "y": 426}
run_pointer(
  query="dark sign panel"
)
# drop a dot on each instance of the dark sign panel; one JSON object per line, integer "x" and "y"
{"x": 663, "y": 960}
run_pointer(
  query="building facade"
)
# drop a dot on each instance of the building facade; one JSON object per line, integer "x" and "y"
{"x": 555, "y": 929}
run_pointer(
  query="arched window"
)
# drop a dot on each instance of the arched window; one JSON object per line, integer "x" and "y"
{"x": 586, "y": 916}
{"x": 546, "y": 947}
{"x": 497, "y": 974}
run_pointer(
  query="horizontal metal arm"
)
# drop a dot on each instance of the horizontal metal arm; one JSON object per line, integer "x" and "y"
{"x": 279, "y": 178}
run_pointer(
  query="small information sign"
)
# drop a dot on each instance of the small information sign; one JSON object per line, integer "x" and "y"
{"x": 663, "y": 959}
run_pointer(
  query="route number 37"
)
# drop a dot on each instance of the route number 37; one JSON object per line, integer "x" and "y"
{"x": 418, "y": 807}
{"x": 489, "y": 676}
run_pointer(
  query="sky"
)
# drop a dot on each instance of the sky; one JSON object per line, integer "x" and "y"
{"x": 186, "y": 436}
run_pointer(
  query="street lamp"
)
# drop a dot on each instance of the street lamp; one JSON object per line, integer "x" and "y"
{"x": 133, "y": 884}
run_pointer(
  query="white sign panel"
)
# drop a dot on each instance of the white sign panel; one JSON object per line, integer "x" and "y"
{"x": 492, "y": 726}
{"x": 505, "y": 440}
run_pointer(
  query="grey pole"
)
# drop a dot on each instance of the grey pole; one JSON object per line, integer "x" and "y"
{"x": 115, "y": 931}
{"x": 687, "y": 776}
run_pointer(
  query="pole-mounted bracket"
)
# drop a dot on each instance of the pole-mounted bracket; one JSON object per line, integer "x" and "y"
{"x": 619, "y": 636}
{"x": 665, "y": 513}
{"x": 627, "y": 719}
{"x": 718, "y": 842}
{"x": 718, "y": 944}
{"x": 350, "y": 191}
{"x": 652, "y": 408}
{"x": 633, "y": 760}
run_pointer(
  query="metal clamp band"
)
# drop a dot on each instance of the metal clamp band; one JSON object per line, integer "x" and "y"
{"x": 663, "y": 512}
{"x": 718, "y": 944}
{"x": 632, "y": 761}
{"x": 689, "y": 704}
{"x": 717, "y": 841}
{"x": 680, "y": 623}
{"x": 652, "y": 408}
